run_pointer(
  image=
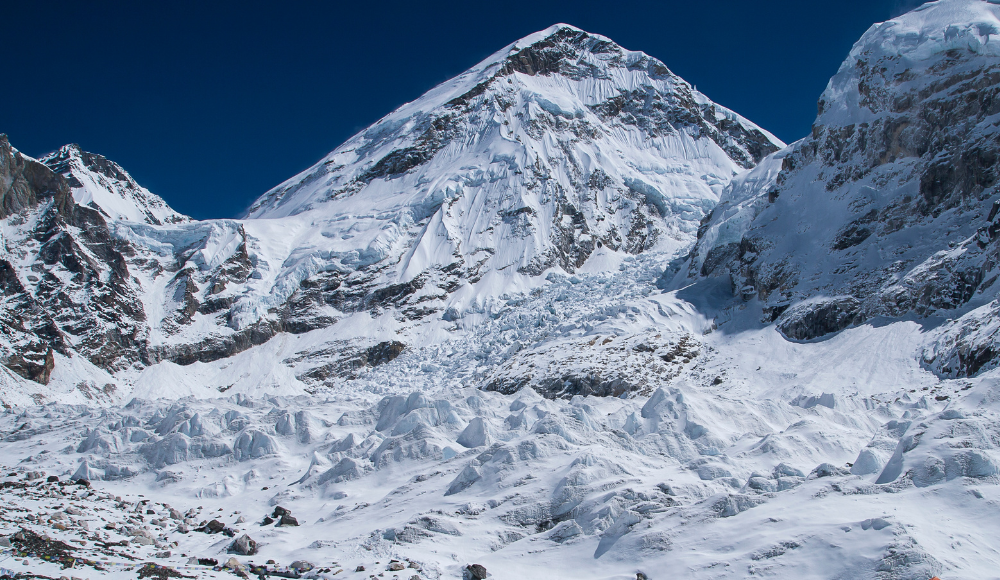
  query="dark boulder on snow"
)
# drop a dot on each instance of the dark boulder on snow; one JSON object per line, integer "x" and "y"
{"x": 820, "y": 318}
{"x": 244, "y": 545}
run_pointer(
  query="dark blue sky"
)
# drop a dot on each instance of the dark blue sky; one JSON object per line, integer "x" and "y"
{"x": 209, "y": 104}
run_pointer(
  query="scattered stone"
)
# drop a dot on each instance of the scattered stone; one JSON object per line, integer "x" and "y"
{"x": 359, "y": 569}
{"x": 302, "y": 566}
{"x": 280, "y": 511}
{"x": 244, "y": 545}
{"x": 208, "y": 562}
{"x": 476, "y": 571}
{"x": 395, "y": 566}
{"x": 234, "y": 564}
{"x": 287, "y": 520}
{"x": 267, "y": 521}
{"x": 53, "y": 479}
{"x": 215, "y": 526}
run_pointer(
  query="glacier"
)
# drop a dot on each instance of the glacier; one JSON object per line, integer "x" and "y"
{"x": 562, "y": 316}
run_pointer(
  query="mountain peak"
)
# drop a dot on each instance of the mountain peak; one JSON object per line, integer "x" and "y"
{"x": 102, "y": 184}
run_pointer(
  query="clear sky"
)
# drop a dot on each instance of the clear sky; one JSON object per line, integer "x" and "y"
{"x": 211, "y": 103}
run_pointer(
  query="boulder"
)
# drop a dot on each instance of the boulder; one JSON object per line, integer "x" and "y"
{"x": 302, "y": 566}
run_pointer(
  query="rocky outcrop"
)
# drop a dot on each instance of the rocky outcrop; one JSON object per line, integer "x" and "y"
{"x": 25, "y": 182}
{"x": 811, "y": 320}
{"x": 887, "y": 205}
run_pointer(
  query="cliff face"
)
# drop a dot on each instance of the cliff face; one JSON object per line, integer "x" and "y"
{"x": 889, "y": 208}
{"x": 67, "y": 284}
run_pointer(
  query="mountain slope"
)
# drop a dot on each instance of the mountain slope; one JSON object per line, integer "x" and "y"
{"x": 558, "y": 148}
{"x": 889, "y": 207}
{"x": 558, "y": 144}
{"x": 68, "y": 287}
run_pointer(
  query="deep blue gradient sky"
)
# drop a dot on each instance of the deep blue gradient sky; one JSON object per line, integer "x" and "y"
{"x": 210, "y": 104}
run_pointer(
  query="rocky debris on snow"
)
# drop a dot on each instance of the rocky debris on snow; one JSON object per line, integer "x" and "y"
{"x": 153, "y": 570}
{"x": 475, "y": 572}
{"x": 26, "y": 542}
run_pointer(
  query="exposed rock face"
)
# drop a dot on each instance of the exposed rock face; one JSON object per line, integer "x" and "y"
{"x": 28, "y": 330}
{"x": 815, "y": 319}
{"x": 25, "y": 182}
{"x": 78, "y": 293}
{"x": 888, "y": 204}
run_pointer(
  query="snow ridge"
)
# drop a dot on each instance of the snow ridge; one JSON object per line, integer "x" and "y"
{"x": 102, "y": 184}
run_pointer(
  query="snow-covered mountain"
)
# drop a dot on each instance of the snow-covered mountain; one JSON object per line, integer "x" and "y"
{"x": 561, "y": 317}
{"x": 102, "y": 184}
{"x": 890, "y": 207}
{"x": 558, "y": 144}
{"x": 558, "y": 147}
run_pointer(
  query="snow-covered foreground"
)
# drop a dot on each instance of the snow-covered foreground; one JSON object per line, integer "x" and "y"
{"x": 729, "y": 455}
